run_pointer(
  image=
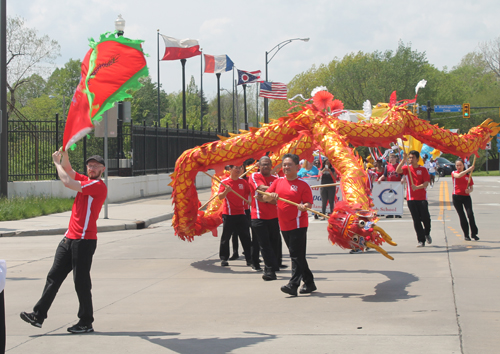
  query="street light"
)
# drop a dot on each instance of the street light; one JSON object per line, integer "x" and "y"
{"x": 120, "y": 28}
{"x": 231, "y": 93}
{"x": 63, "y": 105}
{"x": 120, "y": 25}
{"x": 277, "y": 47}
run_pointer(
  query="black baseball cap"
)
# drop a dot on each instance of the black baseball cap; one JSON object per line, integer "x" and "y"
{"x": 96, "y": 158}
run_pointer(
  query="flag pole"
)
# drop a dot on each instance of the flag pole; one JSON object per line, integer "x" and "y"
{"x": 257, "y": 100}
{"x": 245, "y": 105}
{"x": 234, "y": 130}
{"x": 219, "y": 129}
{"x": 184, "y": 123}
{"x": 201, "y": 92}
{"x": 158, "y": 52}
{"x": 237, "y": 108}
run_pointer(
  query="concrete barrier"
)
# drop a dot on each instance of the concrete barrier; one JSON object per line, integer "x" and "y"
{"x": 120, "y": 189}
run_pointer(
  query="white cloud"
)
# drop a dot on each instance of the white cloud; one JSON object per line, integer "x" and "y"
{"x": 215, "y": 27}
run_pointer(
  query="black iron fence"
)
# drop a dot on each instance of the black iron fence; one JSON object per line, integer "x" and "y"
{"x": 141, "y": 150}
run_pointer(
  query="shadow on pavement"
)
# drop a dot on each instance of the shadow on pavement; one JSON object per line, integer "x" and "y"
{"x": 213, "y": 266}
{"x": 115, "y": 334}
{"x": 210, "y": 345}
{"x": 392, "y": 290}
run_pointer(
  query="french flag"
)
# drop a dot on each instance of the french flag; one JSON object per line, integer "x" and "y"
{"x": 215, "y": 64}
{"x": 176, "y": 49}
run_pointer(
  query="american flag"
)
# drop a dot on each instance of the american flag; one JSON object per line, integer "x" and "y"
{"x": 273, "y": 90}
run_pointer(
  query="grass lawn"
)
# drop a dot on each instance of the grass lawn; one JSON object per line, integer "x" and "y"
{"x": 483, "y": 173}
{"x": 29, "y": 207}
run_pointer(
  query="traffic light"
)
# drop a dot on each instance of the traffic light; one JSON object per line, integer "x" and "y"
{"x": 466, "y": 110}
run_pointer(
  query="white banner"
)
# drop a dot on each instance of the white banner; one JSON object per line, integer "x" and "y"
{"x": 388, "y": 197}
{"x": 317, "y": 194}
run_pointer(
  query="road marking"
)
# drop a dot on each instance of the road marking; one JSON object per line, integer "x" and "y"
{"x": 441, "y": 209}
{"x": 447, "y": 196}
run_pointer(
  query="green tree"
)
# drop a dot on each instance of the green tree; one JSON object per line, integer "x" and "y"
{"x": 27, "y": 54}
{"x": 144, "y": 103}
{"x": 193, "y": 103}
{"x": 358, "y": 77}
{"x": 33, "y": 88}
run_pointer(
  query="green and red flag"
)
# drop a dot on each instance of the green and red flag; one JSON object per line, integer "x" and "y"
{"x": 112, "y": 66}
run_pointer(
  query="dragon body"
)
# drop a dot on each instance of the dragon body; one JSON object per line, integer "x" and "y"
{"x": 314, "y": 127}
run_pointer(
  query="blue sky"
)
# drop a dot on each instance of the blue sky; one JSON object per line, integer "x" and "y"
{"x": 245, "y": 30}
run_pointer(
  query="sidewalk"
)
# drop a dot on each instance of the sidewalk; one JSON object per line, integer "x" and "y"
{"x": 135, "y": 214}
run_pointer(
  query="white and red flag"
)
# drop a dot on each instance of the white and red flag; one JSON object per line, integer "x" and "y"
{"x": 176, "y": 49}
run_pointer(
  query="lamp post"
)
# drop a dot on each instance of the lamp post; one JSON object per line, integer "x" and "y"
{"x": 223, "y": 89}
{"x": 63, "y": 105}
{"x": 120, "y": 27}
{"x": 277, "y": 47}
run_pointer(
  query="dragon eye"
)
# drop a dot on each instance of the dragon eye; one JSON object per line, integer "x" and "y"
{"x": 361, "y": 223}
{"x": 355, "y": 238}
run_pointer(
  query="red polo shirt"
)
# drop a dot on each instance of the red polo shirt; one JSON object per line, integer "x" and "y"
{"x": 234, "y": 205}
{"x": 419, "y": 175}
{"x": 460, "y": 184}
{"x": 86, "y": 208}
{"x": 262, "y": 210}
{"x": 297, "y": 191}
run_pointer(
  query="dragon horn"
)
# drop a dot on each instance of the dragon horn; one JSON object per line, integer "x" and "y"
{"x": 379, "y": 249}
{"x": 385, "y": 236}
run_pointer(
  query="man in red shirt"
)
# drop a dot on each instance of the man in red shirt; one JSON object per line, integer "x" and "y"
{"x": 265, "y": 226}
{"x": 416, "y": 196}
{"x": 293, "y": 221}
{"x": 234, "y": 218}
{"x": 77, "y": 248}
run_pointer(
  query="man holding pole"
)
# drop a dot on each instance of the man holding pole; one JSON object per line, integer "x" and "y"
{"x": 265, "y": 226}
{"x": 293, "y": 221}
{"x": 77, "y": 248}
{"x": 234, "y": 218}
{"x": 416, "y": 195}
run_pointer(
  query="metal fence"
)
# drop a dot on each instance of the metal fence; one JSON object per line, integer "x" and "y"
{"x": 142, "y": 149}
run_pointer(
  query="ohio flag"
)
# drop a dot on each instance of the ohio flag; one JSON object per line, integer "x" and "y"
{"x": 248, "y": 77}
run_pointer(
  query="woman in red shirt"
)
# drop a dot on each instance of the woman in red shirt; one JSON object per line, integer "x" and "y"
{"x": 461, "y": 199}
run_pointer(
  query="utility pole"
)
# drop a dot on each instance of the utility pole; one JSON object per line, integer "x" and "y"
{"x": 4, "y": 164}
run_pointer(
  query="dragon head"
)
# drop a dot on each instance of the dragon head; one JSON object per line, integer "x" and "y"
{"x": 352, "y": 228}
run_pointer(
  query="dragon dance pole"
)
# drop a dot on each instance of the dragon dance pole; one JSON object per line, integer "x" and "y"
{"x": 325, "y": 185}
{"x": 218, "y": 180}
{"x": 470, "y": 177}
{"x": 292, "y": 203}
{"x": 216, "y": 195}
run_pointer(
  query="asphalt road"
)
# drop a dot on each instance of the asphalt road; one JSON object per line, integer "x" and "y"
{"x": 154, "y": 293}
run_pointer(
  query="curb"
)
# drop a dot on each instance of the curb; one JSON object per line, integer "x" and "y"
{"x": 135, "y": 225}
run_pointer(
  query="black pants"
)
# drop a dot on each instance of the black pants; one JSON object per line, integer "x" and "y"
{"x": 70, "y": 255}
{"x": 239, "y": 225}
{"x": 419, "y": 210}
{"x": 327, "y": 196}
{"x": 464, "y": 201}
{"x": 2, "y": 322}
{"x": 234, "y": 236}
{"x": 267, "y": 232}
{"x": 296, "y": 241}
